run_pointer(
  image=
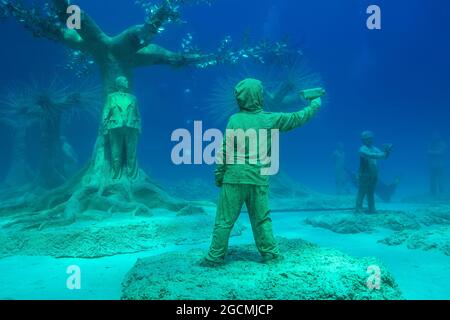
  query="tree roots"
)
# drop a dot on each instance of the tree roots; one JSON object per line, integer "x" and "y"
{"x": 76, "y": 200}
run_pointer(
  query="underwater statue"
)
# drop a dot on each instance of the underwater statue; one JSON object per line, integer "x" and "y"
{"x": 384, "y": 190}
{"x": 340, "y": 172}
{"x": 245, "y": 183}
{"x": 368, "y": 170}
{"x": 436, "y": 155}
{"x": 121, "y": 127}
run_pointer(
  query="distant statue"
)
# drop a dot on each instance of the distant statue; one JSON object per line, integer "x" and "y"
{"x": 368, "y": 170}
{"x": 436, "y": 154}
{"x": 122, "y": 127}
{"x": 340, "y": 172}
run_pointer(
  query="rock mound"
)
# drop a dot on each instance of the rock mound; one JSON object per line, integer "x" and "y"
{"x": 307, "y": 272}
{"x": 351, "y": 223}
{"x": 426, "y": 239}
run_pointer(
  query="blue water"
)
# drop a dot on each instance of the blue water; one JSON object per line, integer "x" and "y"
{"x": 394, "y": 81}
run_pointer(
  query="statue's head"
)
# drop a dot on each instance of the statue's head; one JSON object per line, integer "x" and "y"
{"x": 122, "y": 83}
{"x": 367, "y": 138}
{"x": 249, "y": 94}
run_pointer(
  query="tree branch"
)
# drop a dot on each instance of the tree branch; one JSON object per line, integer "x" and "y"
{"x": 41, "y": 26}
{"x": 60, "y": 9}
{"x": 90, "y": 32}
{"x": 72, "y": 39}
{"x": 138, "y": 37}
{"x": 131, "y": 40}
{"x": 154, "y": 54}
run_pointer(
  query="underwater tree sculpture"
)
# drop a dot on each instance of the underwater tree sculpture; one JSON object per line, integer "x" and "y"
{"x": 14, "y": 110}
{"x": 116, "y": 56}
{"x": 53, "y": 106}
{"x": 49, "y": 106}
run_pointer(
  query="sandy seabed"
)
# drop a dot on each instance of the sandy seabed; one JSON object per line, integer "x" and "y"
{"x": 326, "y": 257}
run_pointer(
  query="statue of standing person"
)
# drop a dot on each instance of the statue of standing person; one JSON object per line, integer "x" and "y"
{"x": 436, "y": 154}
{"x": 368, "y": 170}
{"x": 340, "y": 172}
{"x": 244, "y": 182}
{"x": 122, "y": 127}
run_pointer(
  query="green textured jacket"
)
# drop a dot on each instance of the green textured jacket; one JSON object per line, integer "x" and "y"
{"x": 241, "y": 167}
{"x": 121, "y": 110}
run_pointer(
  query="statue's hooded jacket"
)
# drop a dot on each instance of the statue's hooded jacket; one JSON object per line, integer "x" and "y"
{"x": 243, "y": 160}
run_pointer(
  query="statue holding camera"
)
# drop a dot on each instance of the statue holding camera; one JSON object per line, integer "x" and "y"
{"x": 368, "y": 170}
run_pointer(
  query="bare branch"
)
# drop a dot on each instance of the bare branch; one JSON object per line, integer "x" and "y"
{"x": 72, "y": 39}
{"x": 131, "y": 40}
{"x": 41, "y": 25}
{"x": 139, "y": 36}
{"x": 50, "y": 22}
{"x": 60, "y": 9}
{"x": 32, "y": 20}
{"x": 154, "y": 54}
{"x": 90, "y": 32}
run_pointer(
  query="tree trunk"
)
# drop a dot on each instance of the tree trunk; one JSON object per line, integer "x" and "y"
{"x": 100, "y": 167}
{"x": 111, "y": 68}
{"x": 93, "y": 189}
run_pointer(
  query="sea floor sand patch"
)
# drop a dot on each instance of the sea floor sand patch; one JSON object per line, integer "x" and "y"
{"x": 122, "y": 235}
